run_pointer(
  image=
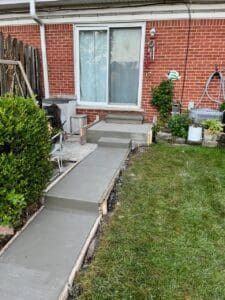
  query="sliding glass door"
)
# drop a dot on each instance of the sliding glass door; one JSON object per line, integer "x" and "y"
{"x": 109, "y": 65}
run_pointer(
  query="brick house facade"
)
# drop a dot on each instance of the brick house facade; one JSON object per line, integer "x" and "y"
{"x": 192, "y": 46}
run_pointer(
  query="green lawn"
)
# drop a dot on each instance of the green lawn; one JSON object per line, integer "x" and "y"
{"x": 167, "y": 238}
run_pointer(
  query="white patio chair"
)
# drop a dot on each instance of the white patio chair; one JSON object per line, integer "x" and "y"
{"x": 56, "y": 152}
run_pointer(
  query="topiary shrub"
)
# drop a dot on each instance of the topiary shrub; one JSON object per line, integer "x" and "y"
{"x": 24, "y": 156}
{"x": 162, "y": 97}
{"x": 178, "y": 124}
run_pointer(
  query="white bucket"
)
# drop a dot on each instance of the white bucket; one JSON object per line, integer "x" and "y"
{"x": 195, "y": 134}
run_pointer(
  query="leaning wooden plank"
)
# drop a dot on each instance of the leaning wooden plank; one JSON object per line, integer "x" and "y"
{"x": 27, "y": 82}
{"x": 19, "y": 83}
{"x": 13, "y": 62}
{"x": 8, "y": 62}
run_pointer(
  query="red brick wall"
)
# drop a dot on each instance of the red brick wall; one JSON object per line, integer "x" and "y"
{"x": 60, "y": 55}
{"x": 206, "y": 48}
{"x": 29, "y": 34}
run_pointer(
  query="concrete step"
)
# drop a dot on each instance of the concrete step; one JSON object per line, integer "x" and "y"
{"x": 61, "y": 202}
{"x": 37, "y": 265}
{"x": 114, "y": 142}
{"x": 138, "y": 133}
{"x": 125, "y": 118}
{"x": 84, "y": 186}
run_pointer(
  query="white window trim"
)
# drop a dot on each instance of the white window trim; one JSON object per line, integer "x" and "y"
{"x": 106, "y": 104}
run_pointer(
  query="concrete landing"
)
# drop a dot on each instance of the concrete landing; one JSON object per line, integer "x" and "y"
{"x": 37, "y": 265}
{"x": 138, "y": 133}
{"x": 85, "y": 185}
{"x": 74, "y": 151}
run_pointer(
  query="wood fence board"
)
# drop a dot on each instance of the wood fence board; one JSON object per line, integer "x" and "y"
{"x": 37, "y": 71}
{"x": 33, "y": 73}
{"x": 2, "y": 67}
{"x": 12, "y": 75}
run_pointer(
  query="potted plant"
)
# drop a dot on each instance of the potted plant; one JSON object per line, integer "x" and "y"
{"x": 211, "y": 130}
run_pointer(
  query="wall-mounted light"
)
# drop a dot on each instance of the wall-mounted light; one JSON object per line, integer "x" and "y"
{"x": 152, "y": 32}
{"x": 151, "y": 48}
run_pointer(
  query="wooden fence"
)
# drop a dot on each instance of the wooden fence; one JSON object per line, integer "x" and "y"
{"x": 11, "y": 79}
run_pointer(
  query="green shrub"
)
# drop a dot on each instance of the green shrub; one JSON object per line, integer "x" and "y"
{"x": 213, "y": 126}
{"x": 24, "y": 156}
{"x": 158, "y": 126}
{"x": 162, "y": 97}
{"x": 178, "y": 124}
{"x": 222, "y": 106}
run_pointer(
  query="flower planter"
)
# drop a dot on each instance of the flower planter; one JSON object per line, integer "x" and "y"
{"x": 179, "y": 140}
{"x": 163, "y": 137}
{"x": 210, "y": 139}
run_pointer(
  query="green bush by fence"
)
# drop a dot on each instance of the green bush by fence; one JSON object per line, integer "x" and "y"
{"x": 24, "y": 156}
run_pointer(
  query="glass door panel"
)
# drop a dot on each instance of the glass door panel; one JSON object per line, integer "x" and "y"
{"x": 124, "y": 64}
{"x": 93, "y": 65}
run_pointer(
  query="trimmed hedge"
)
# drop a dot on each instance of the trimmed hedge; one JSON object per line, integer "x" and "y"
{"x": 25, "y": 167}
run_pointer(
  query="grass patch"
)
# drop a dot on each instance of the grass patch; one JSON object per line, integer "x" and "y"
{"x": 167, "y": 238}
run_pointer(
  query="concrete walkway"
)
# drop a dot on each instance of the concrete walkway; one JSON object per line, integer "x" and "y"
{"x": 38, "y": 263}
